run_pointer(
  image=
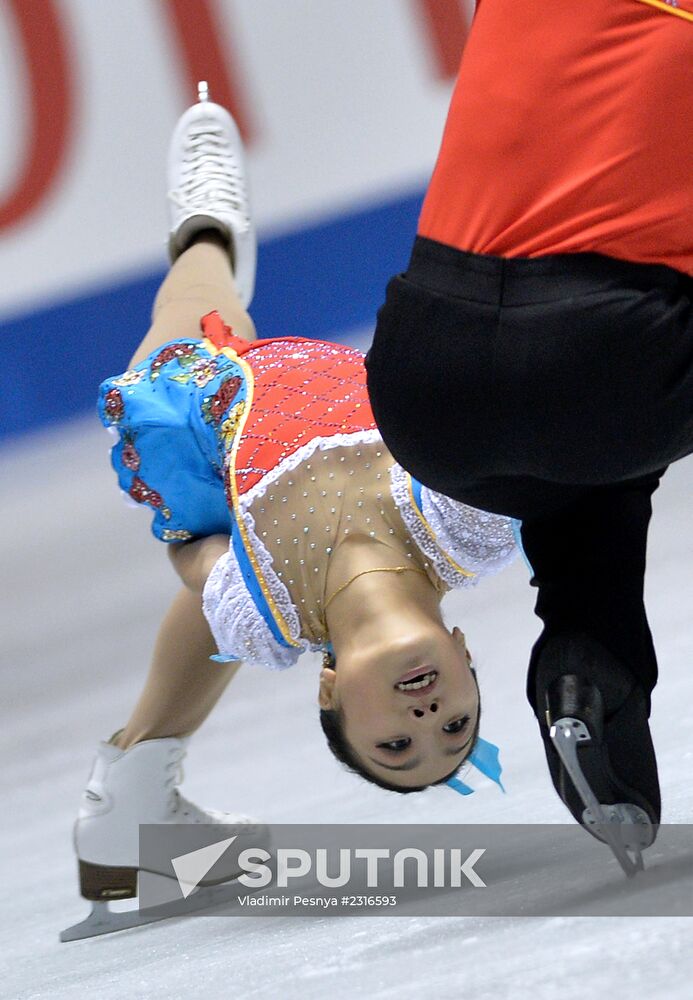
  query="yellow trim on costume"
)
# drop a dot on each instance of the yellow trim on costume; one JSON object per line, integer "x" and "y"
{"x": 455, "y": 565}
{"x": 668, "y": 9}
{"x": 231, "y": 460}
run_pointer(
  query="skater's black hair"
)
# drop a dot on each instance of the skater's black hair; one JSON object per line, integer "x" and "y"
{"x": 332, "y": 723}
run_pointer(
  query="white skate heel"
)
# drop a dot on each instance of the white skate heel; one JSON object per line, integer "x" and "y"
{"x": 208, "y": 188}
{"x": 128, "y": 788}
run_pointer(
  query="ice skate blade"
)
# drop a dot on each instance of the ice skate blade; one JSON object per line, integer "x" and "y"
{"x": 103, "y": 920}
{"x": 636, "y": 826}
{"x": 619, "y": 826}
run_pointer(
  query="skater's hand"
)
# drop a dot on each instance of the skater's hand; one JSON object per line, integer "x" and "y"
{"x": 194, "y": 561}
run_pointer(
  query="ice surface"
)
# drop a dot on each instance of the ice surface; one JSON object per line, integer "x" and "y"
{"x": 83, "y": 587}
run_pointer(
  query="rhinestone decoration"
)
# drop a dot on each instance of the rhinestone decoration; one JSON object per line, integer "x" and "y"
{"x": 297, "y": 469}
{"x": 336, "y": 493}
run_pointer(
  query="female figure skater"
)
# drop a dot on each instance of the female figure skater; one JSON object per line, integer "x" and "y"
{"x": 289, "y": 524}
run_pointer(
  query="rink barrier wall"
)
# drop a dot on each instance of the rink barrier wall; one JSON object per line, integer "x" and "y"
{"x": 320, "y": 281}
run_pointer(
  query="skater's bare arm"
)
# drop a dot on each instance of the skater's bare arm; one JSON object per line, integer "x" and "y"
{"x": 194, "y": 561}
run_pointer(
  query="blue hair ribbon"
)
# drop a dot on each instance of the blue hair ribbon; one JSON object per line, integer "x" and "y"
{"x": 459, "y": 786}
{"x": 485, "y": 757}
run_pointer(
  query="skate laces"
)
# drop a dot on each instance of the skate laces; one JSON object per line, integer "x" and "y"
{"x": 210, "y": 175}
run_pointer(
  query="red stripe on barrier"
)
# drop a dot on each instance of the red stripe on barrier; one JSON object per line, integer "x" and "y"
{"x": 46, "y": 57}
{"x": 206, "y": 58}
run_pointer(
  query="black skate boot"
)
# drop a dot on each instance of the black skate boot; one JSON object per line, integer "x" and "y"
{"x": 593, "y": 719}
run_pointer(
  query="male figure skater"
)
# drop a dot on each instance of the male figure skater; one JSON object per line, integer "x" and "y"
{"x": 543, "y": 336}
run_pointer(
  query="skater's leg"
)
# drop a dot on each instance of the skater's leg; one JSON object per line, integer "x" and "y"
{"x": 183, "y": 684}
{"x": 589, "y": 565}
{"x": 595, "y": 660}
{"x": 200, "y": 281}
{"x": 134, "y": 777}
{"x": 211, "y": 235}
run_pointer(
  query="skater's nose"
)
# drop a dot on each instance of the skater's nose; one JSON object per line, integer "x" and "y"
{"x": 424, "y": 709}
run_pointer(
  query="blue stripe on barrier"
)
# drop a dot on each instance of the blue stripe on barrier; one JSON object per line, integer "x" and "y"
{"x": 317, "y": 282}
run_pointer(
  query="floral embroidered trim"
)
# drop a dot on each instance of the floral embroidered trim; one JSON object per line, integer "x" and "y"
{"x": 214, "y": 408}
{"x": 202, "y": 371}
{"x": 230, "y": 424}
{"x": 131, "y": 377}
{"x": 185, "y": 352}
{"x": 113, "y": 406}
{"x": 479, "y": 542}
{"x": 176, "y": 535}
{"x": 142, "y": 493}
{"x": 129, "y": 456}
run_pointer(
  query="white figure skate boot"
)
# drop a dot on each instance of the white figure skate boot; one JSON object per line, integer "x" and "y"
{"x": 127, "y": 788}
{"x": 208, "y": 188}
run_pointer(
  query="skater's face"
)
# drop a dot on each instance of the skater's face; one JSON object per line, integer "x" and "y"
{"x": 409, "y": 709}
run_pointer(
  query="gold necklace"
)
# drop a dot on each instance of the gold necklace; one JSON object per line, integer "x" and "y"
{"x": 376, "y": 569}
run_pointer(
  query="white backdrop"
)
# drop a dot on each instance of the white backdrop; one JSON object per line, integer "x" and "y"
{"x": 344, "y": 101}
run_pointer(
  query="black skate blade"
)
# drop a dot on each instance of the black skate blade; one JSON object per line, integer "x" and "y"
{"x": 104, "y": 920}
{"x": 619, "y": 826}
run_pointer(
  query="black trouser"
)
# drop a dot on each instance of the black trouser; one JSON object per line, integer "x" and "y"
{"x": 589, "y": 565}
{"x": 555, "y": 390}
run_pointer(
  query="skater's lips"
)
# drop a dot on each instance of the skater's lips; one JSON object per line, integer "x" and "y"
{"x": 420, "y": 692}
{"x": 412, "y": 675}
